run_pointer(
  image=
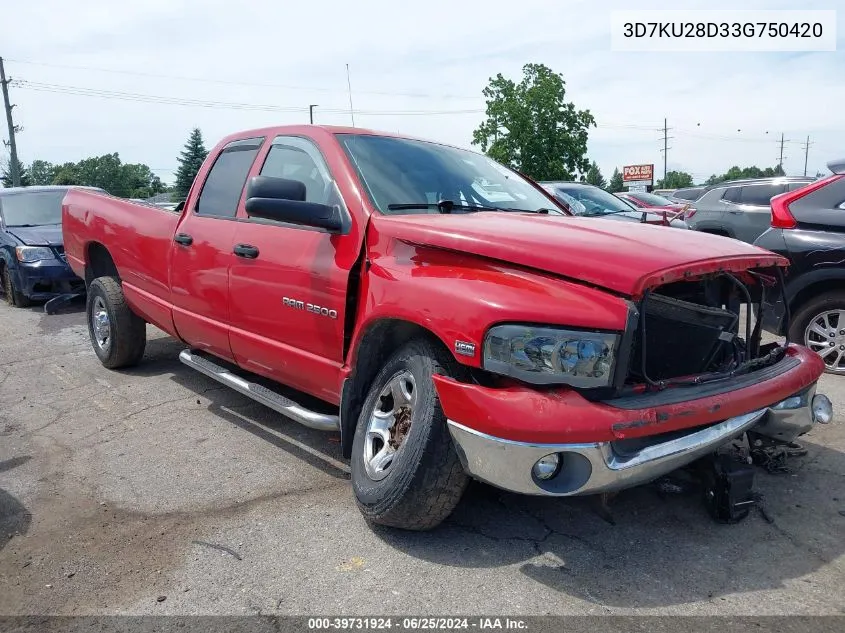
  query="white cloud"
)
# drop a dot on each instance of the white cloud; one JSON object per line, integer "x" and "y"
{"x": 445, "y": 50}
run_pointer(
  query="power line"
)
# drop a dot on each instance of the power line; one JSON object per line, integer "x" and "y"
{"x": 230, "y": 82}
{"x": 163, "y": 99}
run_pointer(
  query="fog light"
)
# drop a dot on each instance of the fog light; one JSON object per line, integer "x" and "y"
{"x": 822, "y": 409}
{"x": 547, "y": 467}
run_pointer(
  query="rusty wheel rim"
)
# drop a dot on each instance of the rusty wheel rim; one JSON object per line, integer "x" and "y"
{"x": 388, "y": 424}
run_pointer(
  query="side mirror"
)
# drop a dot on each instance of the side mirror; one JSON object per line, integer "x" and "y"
{"x": 283, "y": 200}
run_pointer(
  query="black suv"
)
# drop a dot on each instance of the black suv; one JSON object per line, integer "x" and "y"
{"x": 808, "y": 227}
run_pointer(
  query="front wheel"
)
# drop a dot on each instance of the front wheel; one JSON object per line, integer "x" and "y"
{"x": 819, "y": 325}
{"x": 405, "y": 471}
{"x": 118, "y": 335}
{"x": 13, "y": 297}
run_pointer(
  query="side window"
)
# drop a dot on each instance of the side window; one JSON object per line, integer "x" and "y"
{"x": 224, "y": 184}
{"x": 760, "y": 195}
{"x": 793, "y": 186}
{"x": 731, "y": 194}
{"x": 295, "y": 158}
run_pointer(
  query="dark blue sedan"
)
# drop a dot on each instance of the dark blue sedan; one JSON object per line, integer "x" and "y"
{"x": 32, "y": 257}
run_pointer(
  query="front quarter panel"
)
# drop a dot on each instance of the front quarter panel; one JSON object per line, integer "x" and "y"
{"x": 458, "y": 297}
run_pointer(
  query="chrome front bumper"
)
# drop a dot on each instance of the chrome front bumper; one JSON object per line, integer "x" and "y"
{"x": 608, "y": 466}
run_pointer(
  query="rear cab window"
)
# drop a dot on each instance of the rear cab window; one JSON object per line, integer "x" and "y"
{"x": 222, "y": 189}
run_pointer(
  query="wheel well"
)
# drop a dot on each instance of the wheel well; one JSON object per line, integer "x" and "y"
{"x": 715, "y": 232}
{"x": 813, "y": 290}
{"x": 379, "y": 341}
{"x": 99, "y": 263}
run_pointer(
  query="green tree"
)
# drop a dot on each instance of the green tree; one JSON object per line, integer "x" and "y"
{"x": 594, "y": 176}
{"x": 141, "y": 181}
{"x": 42, "y": 173}
{"x": 190, "y": 161}
{"x": 735, "y": 173}
{"x": 615, "y": 185}
{"x": 6, "y": 176}
{"x": 675, "y": 180}
{"x": 531, "y": 127}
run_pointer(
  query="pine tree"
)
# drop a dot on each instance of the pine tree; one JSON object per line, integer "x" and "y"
{"x": 594, "y": 176}
{"x": 615, "y": 185}
{"x": 190, "y": 161}
{"x": 6, "y": 177}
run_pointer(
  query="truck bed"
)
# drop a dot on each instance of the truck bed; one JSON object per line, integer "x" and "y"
{"x": 138, "y": 237}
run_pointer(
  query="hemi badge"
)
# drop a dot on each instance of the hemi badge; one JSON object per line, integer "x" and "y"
{"x": 464, "y": 349}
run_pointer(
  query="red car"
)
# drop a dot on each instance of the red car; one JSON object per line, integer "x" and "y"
{"x": 658, "y": 204}
{"x": 427, "y": 305}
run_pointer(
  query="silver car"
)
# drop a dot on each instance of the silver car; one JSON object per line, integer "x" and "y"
{"x": 740, "y": 208}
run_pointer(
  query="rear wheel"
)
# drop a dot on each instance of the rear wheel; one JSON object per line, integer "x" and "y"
{"x": 819, "y": 324}
{"x": 10, "y": 293}
{"x": 118, "y": 335}
{"x": 405, "y": 471}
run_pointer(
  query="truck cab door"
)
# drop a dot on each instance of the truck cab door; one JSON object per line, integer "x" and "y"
{"x": 201, "y": 254}
{"x": 288, "y": 283}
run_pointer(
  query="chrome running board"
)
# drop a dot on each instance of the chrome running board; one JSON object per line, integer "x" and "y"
{"x": 259, "y": 393}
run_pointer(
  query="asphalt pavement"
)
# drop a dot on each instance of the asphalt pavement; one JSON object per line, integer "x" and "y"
{"x": 157, "y": 491}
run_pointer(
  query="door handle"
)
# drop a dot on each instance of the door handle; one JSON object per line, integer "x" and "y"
{"x": 246, "y": 250}
{"x": 184, "y": 239}
{"x": 735, "y": 212}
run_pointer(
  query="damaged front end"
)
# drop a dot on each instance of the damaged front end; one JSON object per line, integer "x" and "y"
{"x": 696, "y": 331}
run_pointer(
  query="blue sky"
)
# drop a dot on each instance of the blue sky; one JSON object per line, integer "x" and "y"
{"x": 724, "y": 109}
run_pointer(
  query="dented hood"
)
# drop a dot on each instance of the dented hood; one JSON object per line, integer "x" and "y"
{"x": 624, "y": 257}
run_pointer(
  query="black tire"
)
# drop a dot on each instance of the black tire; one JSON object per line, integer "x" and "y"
{"x": 426, "y": 480}
{"x": 127, "y": 338}
{"x": 13, "y": 297}
{"x": 807, "y": 313}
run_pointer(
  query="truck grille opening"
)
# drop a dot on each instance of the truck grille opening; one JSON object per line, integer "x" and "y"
{"x": 693, "y": 331}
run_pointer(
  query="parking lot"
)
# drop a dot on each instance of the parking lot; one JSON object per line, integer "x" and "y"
{"x": 155, "y": 490}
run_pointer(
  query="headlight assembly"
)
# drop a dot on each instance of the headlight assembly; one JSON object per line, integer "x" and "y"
{"x": 28, "y": 254}
{"x": 549, "y": 355}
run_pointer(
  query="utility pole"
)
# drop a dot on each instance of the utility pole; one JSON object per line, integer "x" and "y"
{"x": 311, "y": 112}
{"x": 349, "y": 86}
{"x": 665, "y": 149}
{"x": 780, "y": 161}
{"x": 13, "y": 148}
{"x": 806, "y": 153}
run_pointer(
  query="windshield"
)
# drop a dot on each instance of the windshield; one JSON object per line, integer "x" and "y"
{"x": 34, "y": 209}
{"x": 401, "y": 171}
{"x": 651, "y": 199}
{"x": 592, "y": 200}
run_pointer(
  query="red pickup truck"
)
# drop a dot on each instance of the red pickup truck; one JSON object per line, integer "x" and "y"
{"x": 447, "y": 317}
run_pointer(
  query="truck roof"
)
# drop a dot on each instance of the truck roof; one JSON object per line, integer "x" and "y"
{"x": 328, "y": 129}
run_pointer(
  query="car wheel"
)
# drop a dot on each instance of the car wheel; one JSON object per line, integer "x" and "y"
{"x": 819, "y": 325}
{"x": 118, "y": 335}
{"x": 10, "y": 293}
{"x": 405, "y": 471}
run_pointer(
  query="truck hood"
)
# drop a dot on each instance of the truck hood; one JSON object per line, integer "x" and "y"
{"x": 47, "y": 235}
{"x": 623, "y": 257}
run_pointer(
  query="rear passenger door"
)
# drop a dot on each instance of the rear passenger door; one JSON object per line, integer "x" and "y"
{"x": 754, "y": 211}
{"x": 201, "y": 254}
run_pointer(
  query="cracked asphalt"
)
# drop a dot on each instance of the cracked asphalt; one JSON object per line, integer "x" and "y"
{"x": 155, "y": 491}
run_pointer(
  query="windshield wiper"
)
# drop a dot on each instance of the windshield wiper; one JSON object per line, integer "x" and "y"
{"x": 597, "y": 214}
{"x": 446, "y": 206}
{"x": 24, "y": 226}
{"x": 443, "y": 206}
